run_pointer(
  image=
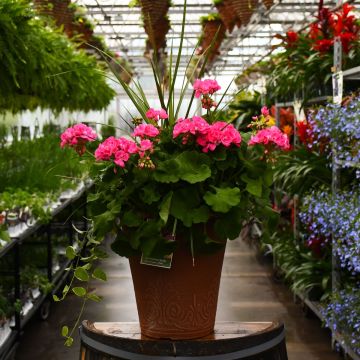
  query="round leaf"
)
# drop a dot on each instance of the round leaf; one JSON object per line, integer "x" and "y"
{"x": 81, "y": 274}
{"x": 79, "y": 291}
{"x": 99, "y": 274}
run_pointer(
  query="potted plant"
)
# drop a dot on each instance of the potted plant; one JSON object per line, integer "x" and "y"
{"x": 172, "y": 193}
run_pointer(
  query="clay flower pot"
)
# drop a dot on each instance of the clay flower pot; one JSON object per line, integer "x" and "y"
{"x": 268, "y": 3}
{"x": 244, "y": 9}
{"x": 228, "y": 15}
{"x": 178, "y": 303}
{"x": 210, "y": 30}
{"x": 156, "y": 24}
{"x": 59, "y": 10}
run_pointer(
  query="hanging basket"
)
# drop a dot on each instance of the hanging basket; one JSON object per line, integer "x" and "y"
{"x": 212, "y": 29}
{"x": 227, "y": 16}
{"x": 156, "y": 24}
{"x": 58, "y": 10}
{"x": 244, "y": 9}
{"x": 268, "y": 3}
{"x": 154, "y": 10}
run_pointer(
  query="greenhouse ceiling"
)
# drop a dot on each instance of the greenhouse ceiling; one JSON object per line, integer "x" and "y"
{"x": 123, "y": 31}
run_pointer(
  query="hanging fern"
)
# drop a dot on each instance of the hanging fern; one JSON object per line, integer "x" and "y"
{"x": 39, "y": 66}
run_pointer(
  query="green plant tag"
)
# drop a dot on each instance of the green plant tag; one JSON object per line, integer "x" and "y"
{"x": 163, "y": 262}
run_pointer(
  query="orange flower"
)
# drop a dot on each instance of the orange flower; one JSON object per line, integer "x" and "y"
{"x": 288, "y": 130}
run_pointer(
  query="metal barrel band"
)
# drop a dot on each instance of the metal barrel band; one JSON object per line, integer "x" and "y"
{"x": 241, "y": 354}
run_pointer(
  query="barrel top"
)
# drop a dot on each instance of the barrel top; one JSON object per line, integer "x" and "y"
{"x": 227, "y": 337}
{"x": 223, "y": 330}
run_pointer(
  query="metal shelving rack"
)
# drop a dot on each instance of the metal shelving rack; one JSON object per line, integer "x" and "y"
{"x": 56, "y": 278}
{"x": 339, "y": 77}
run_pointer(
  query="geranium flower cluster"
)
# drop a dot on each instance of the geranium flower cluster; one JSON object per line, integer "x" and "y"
{"x": 325, "y": 216}
{"x": 343, "y": 315}
{"x": 206, "y": 135}
{"x": 117, "y": 149}
{"x": 205, "y": 88}
{"x": 336, "y": 129}
{"x": 156, "y": 115}
{"x": 146, "y": 131}
{"x": 77, "y": 136}
{"x": 271, "y": 137}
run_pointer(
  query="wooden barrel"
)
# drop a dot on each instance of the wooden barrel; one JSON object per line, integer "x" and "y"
{"x": 230, "y": 341}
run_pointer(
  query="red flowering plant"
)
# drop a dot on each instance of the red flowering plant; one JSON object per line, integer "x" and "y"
{"x": 303, "y": 68}
{"x": 177, "y": 177}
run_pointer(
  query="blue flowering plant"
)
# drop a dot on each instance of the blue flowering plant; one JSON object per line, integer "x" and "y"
{"x": 342, "y": 315}
{"x": 325, "y": 216}
{"x": 336, "y": 129}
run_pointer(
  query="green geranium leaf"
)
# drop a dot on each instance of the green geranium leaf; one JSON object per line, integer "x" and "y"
{"x": 79, "y": 291}
{"x": 268, "y": 177}
{"x": 165, "y": 207}
{"x": 167, "y": 172}
{"x": 193, "y": 166}
{"x": 131, "y": 219}
{"x": 223, "y": 199}
{"x": 99, "y": 274}
{"x": 81, "y": 274}
{"x": 93, "y": 197}
{"x": 253, "y": 186}
{"x": 103, "y": 223}
{"x": 114, "y": 206}
{"x": 229, "y": 226}
{"x": 122, "y": 246}
{"x": 186, "y": 206}
{"x": 149, "y": 193}
{"x": 70, "y": 253}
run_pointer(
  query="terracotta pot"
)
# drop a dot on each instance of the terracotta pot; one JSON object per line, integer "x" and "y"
{"x": 227, "y": 15}
{"x": 244, "y": 9}
{"x": 268, "y": 3}
{"x": 178, "y": 303}
{"x": 210, "y": 29}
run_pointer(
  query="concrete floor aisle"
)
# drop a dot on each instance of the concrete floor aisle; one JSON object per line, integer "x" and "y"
{"x": 247, "y": 293}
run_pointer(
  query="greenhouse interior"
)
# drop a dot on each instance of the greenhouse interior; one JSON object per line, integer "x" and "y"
{"x": 179, "y": 179}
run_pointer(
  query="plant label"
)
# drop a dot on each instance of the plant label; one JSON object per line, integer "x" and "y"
{"x": 163, "y": 262}
{"x": 338, "y": 87}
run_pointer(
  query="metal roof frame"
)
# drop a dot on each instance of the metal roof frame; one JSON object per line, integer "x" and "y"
{"x": 122, "y": 28}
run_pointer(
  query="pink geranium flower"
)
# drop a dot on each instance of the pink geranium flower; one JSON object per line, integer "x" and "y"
{"x": 205, "y": 87}
{"x": 219, "y": 133}
{"x": 121, "y": 157}
{"x": 77, "y": 136}
{"x": 107, "y": 149}
{"x": 265, "y": 111}
{"x": 272, "y": 135}
{"x": 156, "y": 114}
{"x": 119, "y": 150}
{"x": 207, "y": 136}
{"x": 145, "y": 145}
{"x": 145, "y": 130}
{"x": 193, "y": 126}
